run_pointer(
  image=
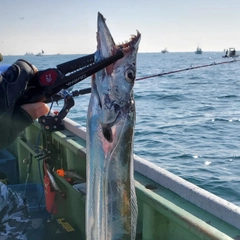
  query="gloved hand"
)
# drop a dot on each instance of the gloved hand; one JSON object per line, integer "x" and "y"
{"x": 14, "y": 118}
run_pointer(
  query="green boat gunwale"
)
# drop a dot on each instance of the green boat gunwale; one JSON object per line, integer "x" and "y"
{"x": 169, "y": 206}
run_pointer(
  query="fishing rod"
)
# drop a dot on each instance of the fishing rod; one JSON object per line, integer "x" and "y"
{"x": 55, "y": 122}
{"x": 88, "y": 90}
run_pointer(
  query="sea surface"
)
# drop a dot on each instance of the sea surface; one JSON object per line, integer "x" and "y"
{"x": 187, "y": 122}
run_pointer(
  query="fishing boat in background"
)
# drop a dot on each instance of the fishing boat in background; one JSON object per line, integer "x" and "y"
{"x": 198, "y": 50}
{"x": 164, "y": 50}
{"x": 40, "y": 53}
{"x": 169, "y": 207}
{"x": 231, "y": 52}
{"x": 28, "y": 54}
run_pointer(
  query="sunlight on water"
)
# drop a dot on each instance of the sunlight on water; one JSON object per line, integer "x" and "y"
{"x": 207, "y": 163}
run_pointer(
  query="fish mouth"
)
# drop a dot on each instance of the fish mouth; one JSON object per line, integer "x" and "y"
{"x": 106, "y": 45}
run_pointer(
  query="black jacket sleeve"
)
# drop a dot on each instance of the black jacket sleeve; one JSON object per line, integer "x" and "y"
{"x": 13, "y": 119}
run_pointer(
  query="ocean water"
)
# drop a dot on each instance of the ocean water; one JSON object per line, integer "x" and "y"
{"x": 187, "y": 122}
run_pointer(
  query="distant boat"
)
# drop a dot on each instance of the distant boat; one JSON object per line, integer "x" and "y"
{"x": 29, "y": 54}
{"x": 1, "y": 57}
{"x": 40, "y": 53}
{"x": 231, "y": 52}
{"x": 198, "y": 50}
{"x": 164, "y": 50}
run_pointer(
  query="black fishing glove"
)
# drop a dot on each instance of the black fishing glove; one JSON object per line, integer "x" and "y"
{"x": 13, "y": 119}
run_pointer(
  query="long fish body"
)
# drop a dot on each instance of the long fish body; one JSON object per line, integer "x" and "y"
{"x": 111, "y": 203}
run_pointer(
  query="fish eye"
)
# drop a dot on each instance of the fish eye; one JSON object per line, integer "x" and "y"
{"x": 130, "y": 75}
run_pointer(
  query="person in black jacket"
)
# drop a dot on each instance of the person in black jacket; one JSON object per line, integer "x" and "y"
{"x": 14, "y": 118}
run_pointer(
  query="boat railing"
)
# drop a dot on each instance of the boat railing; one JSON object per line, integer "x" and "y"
{"x": 196, "y": 195}
{"x": 169, "y": 207}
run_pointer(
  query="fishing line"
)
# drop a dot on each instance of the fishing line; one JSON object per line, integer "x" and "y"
{"x": 186, "y": 69}
{"x": 88, "y": 90}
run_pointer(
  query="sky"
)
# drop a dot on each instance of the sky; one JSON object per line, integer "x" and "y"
{"x": 69, "y": 26}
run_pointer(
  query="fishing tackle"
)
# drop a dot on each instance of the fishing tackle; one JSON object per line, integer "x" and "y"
{"x": 49, "y": 191}
{"x": 163, "y": 73}
{"x": 49, "y": 85}
{"x": 46, "y": 84}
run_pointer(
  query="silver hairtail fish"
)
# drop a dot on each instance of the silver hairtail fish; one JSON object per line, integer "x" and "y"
{"x": 111, "y": 206}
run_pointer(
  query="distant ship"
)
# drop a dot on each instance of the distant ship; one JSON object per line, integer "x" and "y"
{"x": 231, "y": 52}
{"x": 198, "y": 50}
{"x": 29, "y": 54}
{"x": 40, "y": 53}
{"x": 164, "y": 50}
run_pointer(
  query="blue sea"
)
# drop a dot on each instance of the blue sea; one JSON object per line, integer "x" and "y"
{"x": 187, "y": 122}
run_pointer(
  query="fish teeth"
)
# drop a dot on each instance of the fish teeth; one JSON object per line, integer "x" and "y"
{"x": 127, "y": 44}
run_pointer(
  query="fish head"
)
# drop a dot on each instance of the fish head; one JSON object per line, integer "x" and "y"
{"x": 114, "y": 84}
